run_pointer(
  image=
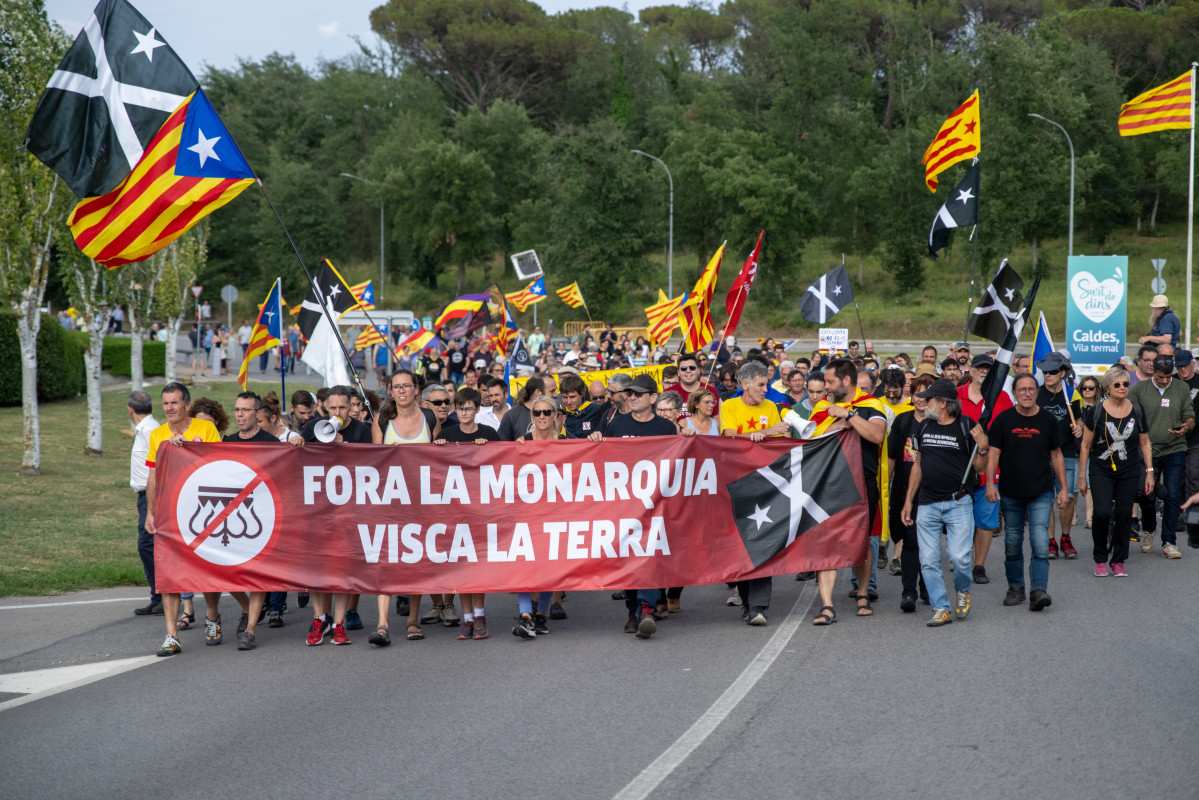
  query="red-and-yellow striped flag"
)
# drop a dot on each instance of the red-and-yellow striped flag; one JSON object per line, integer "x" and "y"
{"x": 370, "y": 335}
{"x": 190, "y": 169}
{"x": 267, "y": 332}
{"x": 663, "y": 317}
{"x": 1167, "y": 107}
{"x": 364, "y": 293}
{"x": 958, "y": 140}
{"x": 571, "y": 295}
{"x": 695, "y": 317}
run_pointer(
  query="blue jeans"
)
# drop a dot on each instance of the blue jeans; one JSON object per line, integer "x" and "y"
{"x": 958, "y": 518}
{"x": 1169, "y": 471}
{"x": 1036, "y": 510}
{"x": 874, "y": 548}
{"x": 524, "y": 601}
{"x": 145, "y": 547}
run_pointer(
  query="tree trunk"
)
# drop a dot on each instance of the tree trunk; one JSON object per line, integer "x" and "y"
{"x": 172, "y": 347}
{"x": 137, "y": 372}
{"x": 1157, "y": 198}
{"x": 1034, "y": 255}
{"x": 461, "y": 278}
{"x": 91, "y": 363}
{"x": 29, "y": 322}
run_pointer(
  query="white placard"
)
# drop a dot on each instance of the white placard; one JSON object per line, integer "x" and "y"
{"x": 834, "y": 339}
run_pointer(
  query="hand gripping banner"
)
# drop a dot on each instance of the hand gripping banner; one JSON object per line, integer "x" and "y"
{"x": 502, "y": 517}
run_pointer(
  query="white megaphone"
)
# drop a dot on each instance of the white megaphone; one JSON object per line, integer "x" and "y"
{"x": 326, "y": 429}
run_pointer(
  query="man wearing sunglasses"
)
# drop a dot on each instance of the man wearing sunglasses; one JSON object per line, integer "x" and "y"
{"x": 1052, "y": 399}
{"x": 690, "y": 379}
{"x": 1171, "y": 416}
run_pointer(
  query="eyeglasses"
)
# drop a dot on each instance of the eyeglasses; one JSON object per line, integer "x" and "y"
{"x": 542, "y": 412}
{"x": 403, "y": 387}
{"x": 466, "y": 408}
{"x": 1027, "y": 388}
{"x": 692, "y": 368}
{"x": 1056, "y": 371}
{"x": 439, "y": 403}
{"x": 1120, "y": 385}
{"x": 1087, "y": 389}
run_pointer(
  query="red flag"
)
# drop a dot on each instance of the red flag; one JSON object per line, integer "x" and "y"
{"x": 735, "y": 301}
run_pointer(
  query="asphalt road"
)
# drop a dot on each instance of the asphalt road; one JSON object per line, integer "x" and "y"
{"x": 1090, "y": 699}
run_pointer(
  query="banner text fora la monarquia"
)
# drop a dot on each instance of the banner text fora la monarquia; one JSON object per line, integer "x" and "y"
{"x": 571, "y": 514}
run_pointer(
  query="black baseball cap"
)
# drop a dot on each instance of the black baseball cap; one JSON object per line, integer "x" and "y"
{"x": 643, "y": 384}
{"x": 942, "y": 388}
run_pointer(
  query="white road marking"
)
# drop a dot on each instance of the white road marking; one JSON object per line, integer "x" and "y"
{"x": 74, "y": 603}
{"x": 673, "y": 757}
{"x": 39, "y": 683}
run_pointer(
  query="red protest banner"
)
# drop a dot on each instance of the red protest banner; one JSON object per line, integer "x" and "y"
{"x": 570, "y": 514}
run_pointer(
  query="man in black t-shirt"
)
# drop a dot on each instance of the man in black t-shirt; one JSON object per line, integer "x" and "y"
{"x": 901, "y": 456}
{"x": 457, "y": 358}
{"x": 337, "y": 404}
{"x": 1026, "y": 447}
{"x": 640, "y": 421}
{"x": 432, "y": 367}
{"x": 942, "y": 486}
{"x": 1053, "y": 399}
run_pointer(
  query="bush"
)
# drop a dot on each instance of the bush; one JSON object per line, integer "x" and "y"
{"x": 60, "y": 374}
{"x": 117, "y": 354}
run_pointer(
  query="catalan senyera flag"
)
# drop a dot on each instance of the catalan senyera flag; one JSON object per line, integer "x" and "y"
{"x": 364, "y": 293}
{"x": 371, "y": 335}
{"x": 267, "y": 332}
{"x": 958, "y": 140}
{"x": 418, "y": 340}
{"x": 533, "y": 293}
{"x": 190, "y": 169}
{"x": 663, "y": 317}
{"x": 572, "y": 295}
{"x": 695, "y": 316}
{"x": 1167, "y": 107}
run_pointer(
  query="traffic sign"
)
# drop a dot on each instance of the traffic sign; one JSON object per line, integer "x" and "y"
{"x": 229, "y": 293}
{"x": 1158, "y": 284}
{"x": 196, "y": 291}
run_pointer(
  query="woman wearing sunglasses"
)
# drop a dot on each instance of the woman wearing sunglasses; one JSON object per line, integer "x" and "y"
{"x": 402, "y": 421}
{"x": 1115, "y": 453}
{"x": 544, "y": 413}
{"x": 1091, "y": 393}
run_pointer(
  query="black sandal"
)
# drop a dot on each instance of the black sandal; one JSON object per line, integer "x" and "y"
{"x": 869, "y": 609}
{"x": 827, "y": 616}
{"x": 381, "y": 637}
{"x": 185, "y": 620}
{"x": 415, "y": 634}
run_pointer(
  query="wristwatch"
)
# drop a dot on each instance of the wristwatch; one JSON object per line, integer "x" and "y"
{"x": 853, "y": 412}
{"x": 984, "y": 452}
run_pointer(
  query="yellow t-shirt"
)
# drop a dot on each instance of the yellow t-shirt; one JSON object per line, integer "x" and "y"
{"x": 200, "y": 430}
{"x": 736, "y": 416}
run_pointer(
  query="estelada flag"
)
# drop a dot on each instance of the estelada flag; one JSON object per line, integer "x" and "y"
{"x": 371, "y": 335}
{"x": 1165, "y": 107}
{"x": 124, "y": 123}
{"x": 533, "y": 293}
{"x": 364, "y": 293}
{"x": 267, "y": 332}
{"x": 734, "y": 302}
{"x": 571, "y": 295}
{"x": 958, "y": 139}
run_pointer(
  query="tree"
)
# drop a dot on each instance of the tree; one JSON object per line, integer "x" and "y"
{"x": 33, "y": 202}
{"x": 142, "y": 287}
{"x": 179, "y": 266}
{"x": 479, "y": 51}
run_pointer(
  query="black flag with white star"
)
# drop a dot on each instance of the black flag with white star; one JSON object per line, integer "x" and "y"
{"x": 827, "y": 296}
{"x": 111, "y": 94}
{"x": 960, "y": 210}
{"x": 520, "y": 355}
{"x": 801, "y": 489}
{"x": 334, "y": 293}
{"x": 1000, "y": 305}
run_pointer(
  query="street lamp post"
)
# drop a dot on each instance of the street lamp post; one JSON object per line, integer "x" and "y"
{"x": 381, "y": 238}
{"x": 670, "y": 244}
{"x": 1070, "y": 243}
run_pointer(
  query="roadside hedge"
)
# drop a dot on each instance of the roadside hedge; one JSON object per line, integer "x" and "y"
{"x": 117, "y": 349}
{"x": 60, "y": 373}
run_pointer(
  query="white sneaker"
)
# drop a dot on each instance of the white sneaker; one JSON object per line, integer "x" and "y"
{"x": 1170, "y": 551}
{"x": 734, "y": 598}
{"x": 1146, "y": 542}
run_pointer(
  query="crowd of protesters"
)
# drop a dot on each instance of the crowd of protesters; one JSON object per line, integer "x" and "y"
{"x": 1058, "y": 452}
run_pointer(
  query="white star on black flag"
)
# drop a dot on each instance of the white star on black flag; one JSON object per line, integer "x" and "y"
{"x": 802, "y": 488}
{"x": 827, "y": 296}
{"x": 1000, "y": 305}
{"x": 960, "y": 210}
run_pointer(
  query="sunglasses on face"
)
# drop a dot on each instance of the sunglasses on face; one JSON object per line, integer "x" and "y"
{"x": 439, "y": 403}
{"x": 1088, "y": 388}
{"x": 542, "y": 412}
{"x": 688, "y": 369}
{"x": 1057, "y": 371}
{"x": 1120, "y": 385}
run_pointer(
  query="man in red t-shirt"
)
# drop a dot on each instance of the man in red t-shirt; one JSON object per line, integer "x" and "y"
{"x": 986, "y": 513}
{"x": 690, "y": 379}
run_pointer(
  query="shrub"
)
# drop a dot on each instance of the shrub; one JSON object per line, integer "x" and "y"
{"x": 60, "y": 373}
{"x": 118, "y": 351}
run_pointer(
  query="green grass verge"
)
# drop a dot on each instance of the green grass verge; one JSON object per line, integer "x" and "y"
{"x": 74, "y": 526}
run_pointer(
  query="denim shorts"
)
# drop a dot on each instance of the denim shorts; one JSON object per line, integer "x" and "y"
{"x": 1071, "y": 477}
{"x": 986, "y": 513}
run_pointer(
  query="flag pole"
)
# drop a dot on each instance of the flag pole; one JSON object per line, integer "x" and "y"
{"x": 860, "y": 327}
{"x": 1191, "y": 207}
{"x": 973, "y": 270}
{"x": 317, "y": 289}
{"x": 283, "y": 335}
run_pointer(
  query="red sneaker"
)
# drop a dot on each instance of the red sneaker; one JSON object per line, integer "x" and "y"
{"x": 316, "y": 634}
{"x": 339, "y": 635}
{"x": 1068, "y": 547}
{"x": 1052, "y": 548}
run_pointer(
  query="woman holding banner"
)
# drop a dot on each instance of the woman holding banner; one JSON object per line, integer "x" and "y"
{"x": 401, "y": 421}
{"x": 544, "y": 413}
